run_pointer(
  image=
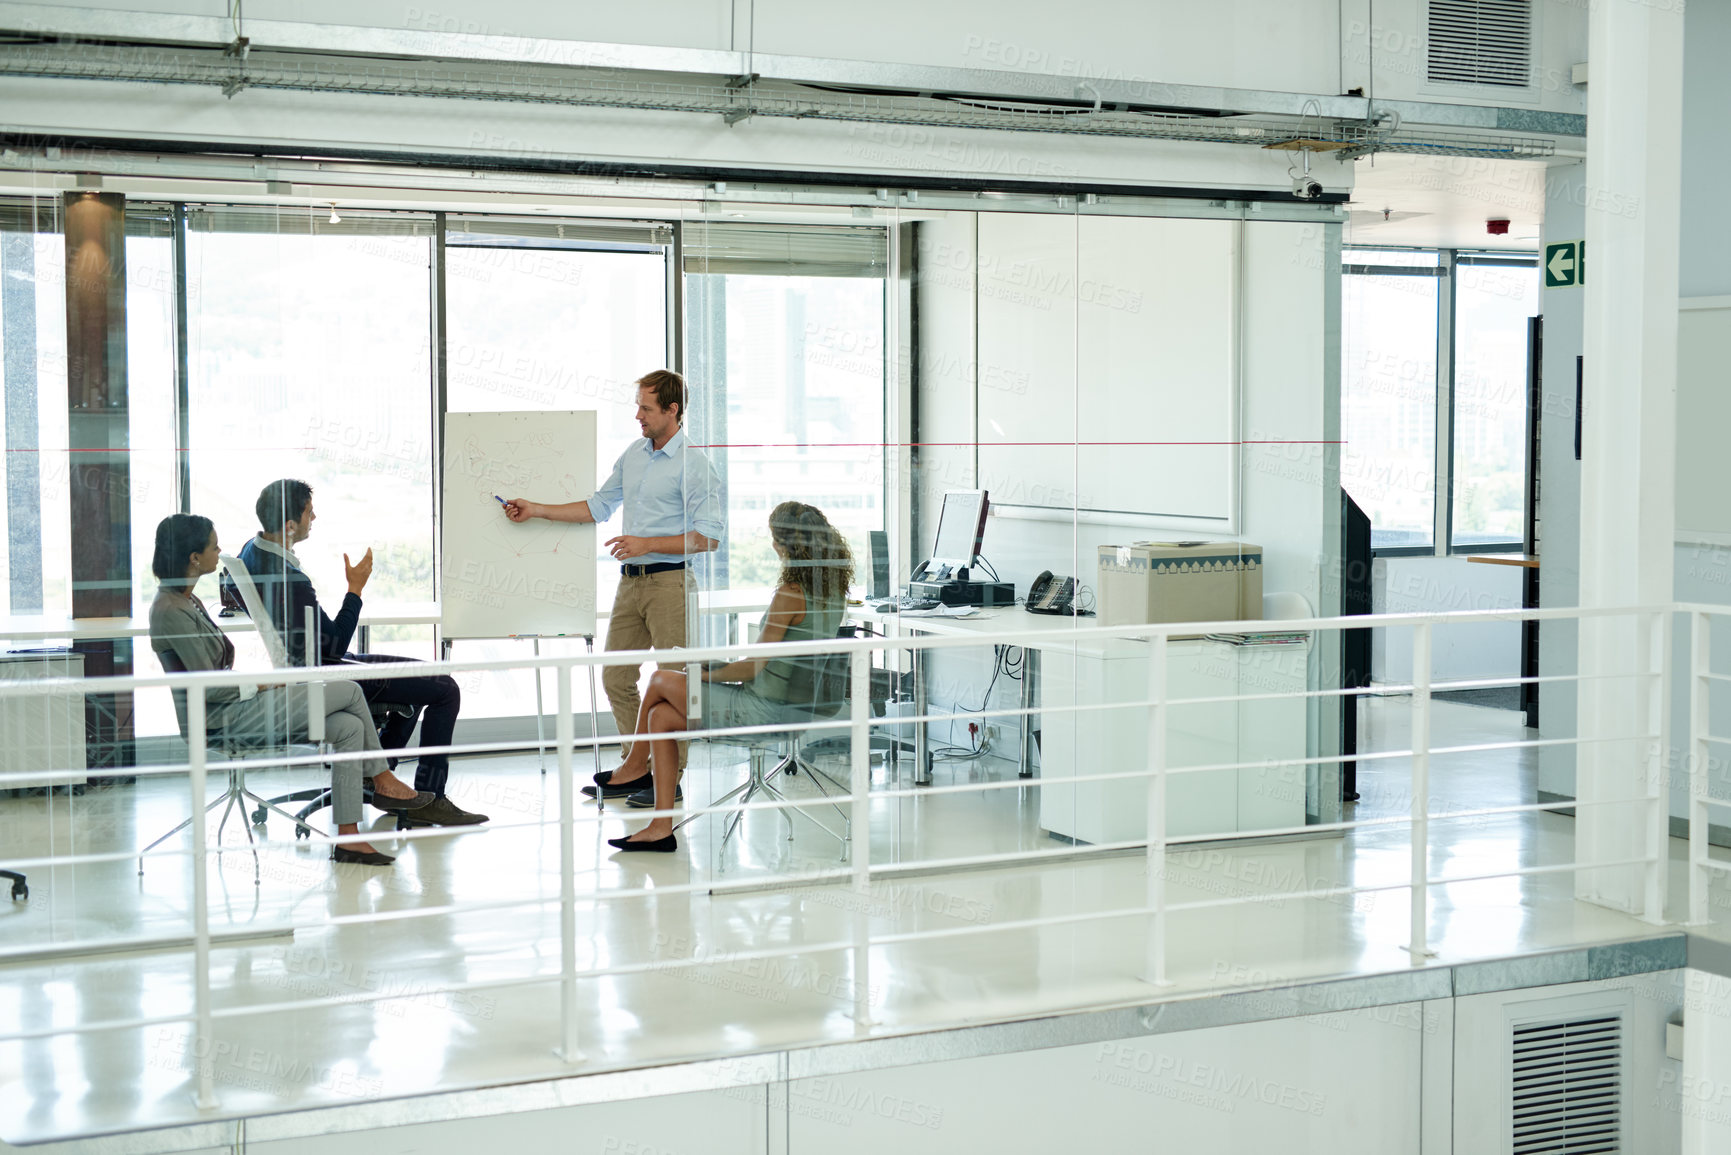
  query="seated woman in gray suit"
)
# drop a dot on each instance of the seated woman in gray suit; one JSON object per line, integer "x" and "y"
{"x": 186, "y": 550}
{"x": 809, "y": 603}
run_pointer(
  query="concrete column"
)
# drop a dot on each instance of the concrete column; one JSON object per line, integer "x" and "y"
{"x": 1634, "y": 164}
{"x": 99, "y": 439}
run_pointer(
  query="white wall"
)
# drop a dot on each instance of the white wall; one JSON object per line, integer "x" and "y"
{"x": 1336, "y": 1084}
{"x": 1288, "y": 403}
{"x": 1281, "y": 45}
{"x": 1385, "y": 46}
{"x": 1703, "y": 270}
{"x": 1702, "y": 568}
{"x": 1289, "y": 407}
{"x": 1310, "y": 46}
{"x": 1702, "y": 571}
{"x": 1412, "y": 585}
{"x": 1700, "y": 1093}
{"x": 1402, "y": 1079}
{"x": 1559, "y": 485}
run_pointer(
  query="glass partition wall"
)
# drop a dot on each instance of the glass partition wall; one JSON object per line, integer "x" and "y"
{"x": 1096, "y": 377}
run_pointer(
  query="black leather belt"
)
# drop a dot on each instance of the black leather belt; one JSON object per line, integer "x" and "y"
{"x": 646, "y": 570}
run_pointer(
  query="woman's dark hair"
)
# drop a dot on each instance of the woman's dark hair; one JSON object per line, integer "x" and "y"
{"x": 178, "y": 537}
{"x": 817, "y": 557}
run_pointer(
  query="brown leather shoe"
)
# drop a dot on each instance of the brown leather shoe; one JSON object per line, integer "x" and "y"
{"x": 359, "y": 857}
{"x": 441, "y": 811}
{"x": 385, "y": 802}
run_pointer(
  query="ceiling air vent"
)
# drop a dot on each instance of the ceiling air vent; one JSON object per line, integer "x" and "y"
{"x": 1566, "y": 1097}
{"x": 1484, "y": 42}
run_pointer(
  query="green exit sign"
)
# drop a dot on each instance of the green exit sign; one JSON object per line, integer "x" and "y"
{"x": 1565, "y": 264}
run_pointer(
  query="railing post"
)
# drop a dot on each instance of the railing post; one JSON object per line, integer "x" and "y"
{"x": 1420, "y": 793}
{"x": 1154, "y": 969}
{"x": 859, "y": 779}
{"x": 203, "y": 1044}
{"x": 568, "y": 1049}
{"x": 1657, "y": 638}
{"x": 1700, "y": 725}
{"x": 312, "y": 653}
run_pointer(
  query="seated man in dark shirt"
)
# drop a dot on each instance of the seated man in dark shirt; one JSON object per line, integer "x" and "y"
{"x": 285, "y": 510}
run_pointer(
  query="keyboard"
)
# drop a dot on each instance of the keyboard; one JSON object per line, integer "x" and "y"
{"x": 905, "y": 603}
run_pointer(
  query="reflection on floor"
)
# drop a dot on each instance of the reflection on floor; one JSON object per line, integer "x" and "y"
{"x": 422, "y": 1039}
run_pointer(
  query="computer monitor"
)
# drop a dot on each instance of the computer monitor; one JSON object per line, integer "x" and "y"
{"x": 880, "y": 559}
{"x": 961, "y": 525}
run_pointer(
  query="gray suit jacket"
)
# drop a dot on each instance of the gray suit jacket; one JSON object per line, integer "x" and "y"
{"x": 182, "y": 626}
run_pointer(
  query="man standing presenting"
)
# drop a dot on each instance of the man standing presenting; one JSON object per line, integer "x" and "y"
{"x": 671, "y": 497}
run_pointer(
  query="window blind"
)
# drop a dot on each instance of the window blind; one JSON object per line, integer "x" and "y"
{"x": 545, "y": 233}
{"x": 303, "y": 220}
{"x": 786, "y": 250}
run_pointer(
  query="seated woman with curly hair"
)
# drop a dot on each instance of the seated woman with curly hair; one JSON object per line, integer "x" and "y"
{"x": 809, "y": 603}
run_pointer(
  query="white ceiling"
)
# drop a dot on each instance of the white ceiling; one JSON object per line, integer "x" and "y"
{"x": 1444, "y": 202}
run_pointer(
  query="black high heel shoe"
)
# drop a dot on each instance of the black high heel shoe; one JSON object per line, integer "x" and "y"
{"x": 662, "y": 845}
{"x": 608, "y": 789}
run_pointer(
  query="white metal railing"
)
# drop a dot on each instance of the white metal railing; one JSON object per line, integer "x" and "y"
{"x": 858, "y": 870}
{"x": 1698, "y": 760}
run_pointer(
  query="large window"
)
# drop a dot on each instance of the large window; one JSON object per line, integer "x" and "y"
{"x": 1388, "y": 394}
{"x": 1493, "y": 303}
{"x": 555, "y": 328}
{"x": 308, "y": 352}
{"x": 36, "y": 510}
{"x": 551, "y": 316}
{"x": 1434, "y": 395}
{"x": 786, "y": 332}
{"x": 309, "y": 357}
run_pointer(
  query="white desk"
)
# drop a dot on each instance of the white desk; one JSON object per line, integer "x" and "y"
{"x": 1243, "y": 801}
{"x": 987, "y": 622}
{"x": 1063, "y": 670}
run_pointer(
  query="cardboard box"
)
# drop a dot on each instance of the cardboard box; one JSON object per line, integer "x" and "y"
{"x": 1179, "y": 581}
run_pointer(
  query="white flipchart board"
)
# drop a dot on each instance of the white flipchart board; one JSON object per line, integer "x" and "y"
{"x": 499, "y": 578}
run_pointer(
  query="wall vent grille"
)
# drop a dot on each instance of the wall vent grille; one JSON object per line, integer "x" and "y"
{"x": 1566, "y": 1097}
{"x": 1484, "y": 42}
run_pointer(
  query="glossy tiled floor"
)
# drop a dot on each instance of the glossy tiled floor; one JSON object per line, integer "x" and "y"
{"x": 421, "y": 1038}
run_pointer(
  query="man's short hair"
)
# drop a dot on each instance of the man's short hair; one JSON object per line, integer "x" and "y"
{"x": 669, "y": 389}
{"x": 281, "y": 501}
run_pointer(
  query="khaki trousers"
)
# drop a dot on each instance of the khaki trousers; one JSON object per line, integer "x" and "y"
{"x": 648, "y": 612}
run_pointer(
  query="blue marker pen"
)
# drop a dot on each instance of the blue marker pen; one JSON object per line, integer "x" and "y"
{"x": 500, "y": 500}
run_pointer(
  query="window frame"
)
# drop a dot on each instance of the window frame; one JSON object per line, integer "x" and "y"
{"x": 1443, "y": 532}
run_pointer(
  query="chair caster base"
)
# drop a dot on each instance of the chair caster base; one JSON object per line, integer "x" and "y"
{"x": 302, "y": 832}
{"x": 259, "y": 816}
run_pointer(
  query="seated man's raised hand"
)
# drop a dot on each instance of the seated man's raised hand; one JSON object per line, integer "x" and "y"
{"x": 358, "y": 572}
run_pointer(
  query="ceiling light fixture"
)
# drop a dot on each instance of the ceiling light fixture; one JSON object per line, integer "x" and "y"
{"x": 335, "y": 219}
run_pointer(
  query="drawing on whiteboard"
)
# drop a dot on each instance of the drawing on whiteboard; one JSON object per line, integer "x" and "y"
{"x": 520, "y": 466}
{"x": 500, "y": 578}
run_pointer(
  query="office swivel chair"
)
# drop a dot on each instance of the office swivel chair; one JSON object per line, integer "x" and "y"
{"x": 887, "y": 686}
{"x": 316, "y": 797}
{"x": 236, "y": 750}
{"x": 829, "y": 699}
